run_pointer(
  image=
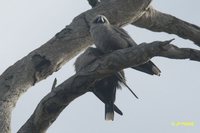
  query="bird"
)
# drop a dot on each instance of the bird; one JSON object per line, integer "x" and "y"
{"x": 108, "y": 38}
{"x": 104, "y": 89}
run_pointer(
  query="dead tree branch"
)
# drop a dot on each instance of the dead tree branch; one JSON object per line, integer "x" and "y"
{"x": 161, "y": 22}
{"x": 51, "y": 105}
{"x": 50, "y": 57}
{"x": 66, "y": 44}
{"x": 93, "y": 3}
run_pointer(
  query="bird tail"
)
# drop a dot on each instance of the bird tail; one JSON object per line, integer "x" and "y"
{"x": 149, "y": 68}
{"x": 122, "y": 79}
{"x": 109, "y": 111}
{"x": 117, "y": 110}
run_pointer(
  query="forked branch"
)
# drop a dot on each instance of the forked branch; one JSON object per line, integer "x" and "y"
{"x": 52, "y": 104}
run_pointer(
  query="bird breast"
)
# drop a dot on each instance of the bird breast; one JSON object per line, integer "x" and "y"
{"x": 106, "y": 38}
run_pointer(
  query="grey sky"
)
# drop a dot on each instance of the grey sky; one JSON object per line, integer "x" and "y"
{"x": 172, "y": 97}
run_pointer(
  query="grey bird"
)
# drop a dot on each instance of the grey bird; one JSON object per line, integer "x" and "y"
{"x": 108, "y": 38}
{"x": 104, "y": 89}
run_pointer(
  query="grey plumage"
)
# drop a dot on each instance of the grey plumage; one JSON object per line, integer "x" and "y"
{"x": 108, "y": 38}
{"x": 104, "y": 89}
{"x": 87, "y": 57}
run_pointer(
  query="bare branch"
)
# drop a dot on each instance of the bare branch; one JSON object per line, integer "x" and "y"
{"x": 93, "y": 3}
{"x": 54, "y": 84}
{"x": 66, "y": 44}
{"x": 50, "y": 57}
{"x": 161, "y": 22}
{"x": 75, "y": 37}
{"x": 51, "y": 105}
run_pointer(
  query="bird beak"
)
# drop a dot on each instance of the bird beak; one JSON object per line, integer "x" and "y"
{"x": 102, "y": 20}
{"x": 99, "y": 19}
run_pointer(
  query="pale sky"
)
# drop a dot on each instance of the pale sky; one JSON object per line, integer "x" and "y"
{"x": 172, "y": 97}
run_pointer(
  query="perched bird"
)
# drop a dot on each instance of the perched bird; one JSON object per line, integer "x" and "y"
{"x": 108, "y": 38}
{"x": 104, "y": 89}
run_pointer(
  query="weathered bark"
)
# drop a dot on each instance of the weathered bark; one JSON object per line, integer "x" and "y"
{"x": 39, "y": 64}
{"x": 47, "y": 59}
{"x": 162, "y": 22}
{"x": 52, "y": 104}
{"x": 75, "y": 37}
{"x": 93, "y": 3}
{"x": 5, "y": 114}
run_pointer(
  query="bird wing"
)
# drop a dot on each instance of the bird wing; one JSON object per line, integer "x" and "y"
{"x": 86, "y": 58}
{"x": 125, "y": 36}
{"x": 149, "y": 67}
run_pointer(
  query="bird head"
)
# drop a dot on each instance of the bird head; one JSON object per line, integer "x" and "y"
{"x": 100, "y": 19}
